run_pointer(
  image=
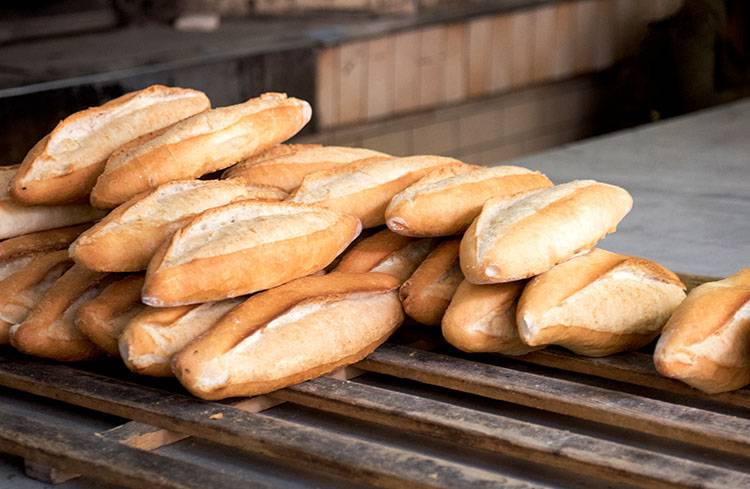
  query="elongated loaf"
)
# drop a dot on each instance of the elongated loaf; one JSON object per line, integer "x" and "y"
{"x": 292, "y": 333}
{"x": 16, "y": 253}
{"x": 482, "y": 318}
{"x": 285, "y": 165}
{"x": 599, "y": 304}
{"x": 64, "y": 165}
{"x": 386, "y": 252}
{"x": 103, "y": 318}
{"x": 202, "y": 144}
{"x": 427, "y": 293}
{"x": 21, "y": 290}
{"x": 515, "y": 240}
{"x": 49, "y": 330}
{"x": 243, "y": 248}
{"x": 706, "y": 342}
{"x": 17, "y": 219}
{"x": 156, "y": 334}
{"x": 445, "y": 201}
{"x": 128, "y": 237}
{"x": 364, "y": 189}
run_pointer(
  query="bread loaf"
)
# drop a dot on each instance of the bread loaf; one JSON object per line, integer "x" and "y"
{"x": 364, "y": 189}
{"x": 64, "y": 165}
{"x": 599, "y": 304}
{"x": 284, "y": 166}
{"x": 517, "y": 239}
{"x": 16, "y": 253}
{"x": 706, "y": 342}
{"x": 202, "y": 144}
{"x": 128, "y": 237}
{"x": 290, "y": 334}
{"x": 245, "y": 247}
{"x": 446, "y": 201}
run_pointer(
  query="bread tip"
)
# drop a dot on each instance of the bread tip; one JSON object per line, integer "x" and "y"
{"x": 306, "y": 111}
{"x": 396, "y": 224}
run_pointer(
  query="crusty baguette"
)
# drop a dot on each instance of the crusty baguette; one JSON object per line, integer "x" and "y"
{"x": 706, "y": 342}
{"x": 598, "y": 304}
{"x": 64, "y": 165}
{"x": 17, "y": 219}
{"x": 103, "y": 318}
{"x": 245, "y": 247}
{"x": 290, "y": 334}
{"x": 514, "y": 240}
{"x": 386, "y": 252}
{"x": 364, "y": 189}
{"x": 427, "y": 293}
{"x": 126, "y": 240}
{"x": 445, "y": 201}
{"x": 202, "y": 144}
{"x": 482, "y": 318}
{"x": 16, "y": 253}
{"x": 21, "y": 290}
{"x": 285, "y": 165}
{"x": 49, "y": 330}
{"x": 156, "y": 334}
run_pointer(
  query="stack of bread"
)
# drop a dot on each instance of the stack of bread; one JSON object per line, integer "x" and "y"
{"x": 122, "y": 240}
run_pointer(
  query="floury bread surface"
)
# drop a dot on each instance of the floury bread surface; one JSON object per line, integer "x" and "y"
{"x": 128, "y": 237}
{"x": 706, "y": 342}
{"x": 202, "y": 144}
{"x": 64, "y": 165}
{"x": 518, "y": 239}
{"x": 599, "y": 304}
{"x": 243, "y": 248}
{"x": 290, "y": 334}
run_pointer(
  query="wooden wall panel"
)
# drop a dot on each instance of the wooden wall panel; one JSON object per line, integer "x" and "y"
{"x": 406, "y": 68}
{"x": 353, "y": 82}
{"x": 381, "y": 77}
{"x": 606, "y": 34}
{"x": 545, "y": 46}
{"x": 480, "y": 39}
{"x": 522, "y": 55}
{"x": 432, "y": 66}
{"x": 565, "y": 40}
{"x": 585, "y": 35}
{"x": 501, "y": 58}
{"x": 456, "y": 63}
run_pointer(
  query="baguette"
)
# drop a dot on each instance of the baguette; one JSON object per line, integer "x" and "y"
{"x": 18, "y": 219}
{"x": 156, "y": 334}
{"x": 285, "y": 165}
{"x": 517, "y": 239}
{"x": 290, "y": 334}
{"x": 445, "y": 201}
{"x": 243, "y": 248}
{"x": 126, "y": 240}
{"x": 364, "y": 189}
{"x": 16, "y": 253}
{"x": 386, "y": 252}
{"x": 598, "y": 304}
{"x": 103, "y": 318}
{"x": 202, "y": 144}
{"x": 49, "y": 330}
{"x": 706, "y": 342}
{"x": 482, "y": 318}
{"x": 427, "y": 293}
{"x": 64, "y": 165}
{"x": 21, "y": 290}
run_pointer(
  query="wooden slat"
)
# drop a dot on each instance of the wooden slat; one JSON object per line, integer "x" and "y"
{"x": 537, "y": 443}
{"x": 605, "y": 40}
{"x": 565, "y": 40}
{"x": 522, "y": 55}
{"x": 501, "y": 60}
{"x": 480, "y": 55}
{"x": 352, "y": 82}
{"x": 690, "y": 425}
{"x": 407, "y": 71}
{"x": 327, "y": 88}
{"x": 456, "y": 64}
{"x": 380, "y": 77}
{"x": 431, "y": 66}
{"x": 545, "y": 43}
{"x": 585, "y": 35}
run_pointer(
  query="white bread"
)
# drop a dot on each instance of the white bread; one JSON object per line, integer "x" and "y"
{"x": 284, "y": 166}
{"x": 517, "y": 239}
{"x": 290, "y": 334}
{"x": 49, "y": 331}
{"x": 364, "y": 189}
{"x": 446, "y": 201}
{"x": 482, "y": 318}
{"x": 429, "y": 290}
{"x": 706, "y": 342}
{"x": 243, "y": 248}
{"x": 126, "y": 240}
{"x": 152, "y": 337}
{"x": 103, "y": 318}
{"x": 17, "y": 219}
{"x": 16, "y": 253}
{"x": 202, "y": 144}
{"x": 598, "y": 304}
{"x": 64, "y": 165}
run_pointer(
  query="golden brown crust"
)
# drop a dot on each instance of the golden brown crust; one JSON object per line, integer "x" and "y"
{"x": 53, "y": 239}
{"x": 366, "y": 254}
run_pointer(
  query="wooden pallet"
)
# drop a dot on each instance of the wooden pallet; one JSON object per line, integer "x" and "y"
{"x": 612, "y": 420}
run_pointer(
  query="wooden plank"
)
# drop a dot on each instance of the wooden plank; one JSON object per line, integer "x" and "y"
{"x": 544, "y": 43}
{"x": 585, "y": 35}
{"x": 537, "y": 443}
{"x": 681, "y": 423}
{"x": 431, "y": 66}
{"x": 480, "y": 54}
{"x": 327, "y": 81}
{"x": 501, "y": 59}
{"x": 522, "y": 55}
{"x": 380, "y": 77}
{"x": 352, "y": 82}
{"x": 45, "y": 473}
{"x": 565, "y": 40}
{"x": 605, "y": 42}
{"x": 407, "y": 71}
{"x": 456, "y": 64}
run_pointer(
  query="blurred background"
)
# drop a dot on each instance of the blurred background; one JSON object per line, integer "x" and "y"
{"x": 481, "y": 80}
